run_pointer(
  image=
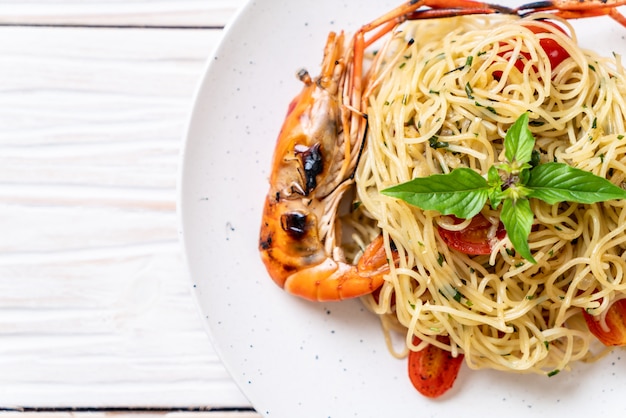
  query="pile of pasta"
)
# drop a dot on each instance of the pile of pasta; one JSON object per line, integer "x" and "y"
{"x": 446, "y": 92}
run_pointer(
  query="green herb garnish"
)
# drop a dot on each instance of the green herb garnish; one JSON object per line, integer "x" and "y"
{"x": 469, "y": 91}
{"x": 435, "y": 143}
{"x": 463, "y": 192}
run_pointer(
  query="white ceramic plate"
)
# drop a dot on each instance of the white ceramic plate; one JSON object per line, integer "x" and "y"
{"x": 293, "y": 358}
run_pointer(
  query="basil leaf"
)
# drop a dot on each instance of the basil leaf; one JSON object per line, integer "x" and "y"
{"x": 495, "y": 186}
{"x": 557, "y": 182}
{"x": 519, "y": 141}
{"x": 517, "y": 218}
{"x": 462, "y": 193}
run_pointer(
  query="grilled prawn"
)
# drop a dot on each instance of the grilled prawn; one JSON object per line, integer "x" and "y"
{"x": 314, "y": 158}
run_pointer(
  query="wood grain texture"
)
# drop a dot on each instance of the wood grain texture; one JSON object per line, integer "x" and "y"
{"x": 95, "y": 306}
{"x": 132, "y": 414}
{"x": 184, "y": 13}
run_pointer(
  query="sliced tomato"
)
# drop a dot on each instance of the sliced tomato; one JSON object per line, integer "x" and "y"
{"x": 474, "y": 239}
{"x": 615, "y": 319}
{"x": 432, "y": 370}
{"x": 555, "y": 51}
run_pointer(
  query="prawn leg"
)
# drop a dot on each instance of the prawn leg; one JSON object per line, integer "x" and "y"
{"x": 575, "y": 9}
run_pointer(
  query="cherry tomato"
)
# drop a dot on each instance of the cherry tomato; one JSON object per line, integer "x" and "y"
{"x": 432, "y": 370}
{"x": 556, "y": 53}
{"x": 616, "y": 322}
{"x": 474, "y": 239}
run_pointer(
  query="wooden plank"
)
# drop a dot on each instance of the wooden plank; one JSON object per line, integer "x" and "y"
{"x": 132, "y": 414}
{"x": 184, "y": 13}
{"x": 95, "y": 306}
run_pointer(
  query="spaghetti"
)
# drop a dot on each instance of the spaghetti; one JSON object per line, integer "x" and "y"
{"x": 445, "y": 100}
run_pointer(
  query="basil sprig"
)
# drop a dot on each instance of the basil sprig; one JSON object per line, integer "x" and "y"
{"x": 463, "y": 192}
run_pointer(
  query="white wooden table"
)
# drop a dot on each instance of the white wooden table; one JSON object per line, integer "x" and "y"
{"x": 96, "y": 314}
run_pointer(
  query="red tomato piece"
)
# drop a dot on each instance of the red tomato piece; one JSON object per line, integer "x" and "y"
{"x": 556, "y": 53}
{"x": 432, "y": 370}
{"x": 616, "y": 322}
{"x": 474, "y": 239}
